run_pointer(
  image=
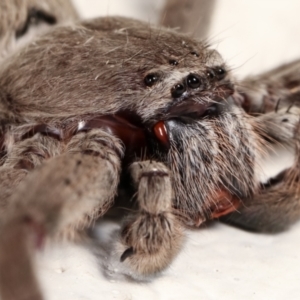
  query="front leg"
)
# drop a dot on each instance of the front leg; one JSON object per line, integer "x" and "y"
{"x": 153, "y": 236}
{"x": 64, "y": 194}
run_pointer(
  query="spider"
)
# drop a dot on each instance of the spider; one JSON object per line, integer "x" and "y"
{"x": 112, "y": 109}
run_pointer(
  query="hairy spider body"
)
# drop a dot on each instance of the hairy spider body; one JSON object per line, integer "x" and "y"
{"x": 85, "y": 105}
{"x": 199, "y": 118}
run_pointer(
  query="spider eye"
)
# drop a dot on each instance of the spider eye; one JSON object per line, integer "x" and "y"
{"x": 151, "y": 79}
{"x": 178, "y": 90}
{"x": 33, "y": 19}
{"x": 220, "y": 73}
{"x": 210, "y": 74}
{"x": 193, "y": 81}
{"x": 173, "y": 62}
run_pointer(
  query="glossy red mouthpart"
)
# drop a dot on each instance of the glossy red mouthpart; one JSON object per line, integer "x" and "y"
{"x": 161, "y": 133}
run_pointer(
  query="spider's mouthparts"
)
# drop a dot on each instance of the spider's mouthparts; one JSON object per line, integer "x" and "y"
{"x": 184, "y": 112}
{"x": 189, "y": 110}
{"x": 122, "y": 126}
{"x": 161, "y": 133}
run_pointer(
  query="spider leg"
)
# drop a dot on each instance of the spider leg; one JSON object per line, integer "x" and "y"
{"x": 65, "y": 193}
{"x": 277, "y": 205}
{"x": 9, "y": 180}
{"x": 192, "y": 16}
{"x": 20, "y": 159}
{"x": 277, "y": 87}
{"x": 153, "y": 236}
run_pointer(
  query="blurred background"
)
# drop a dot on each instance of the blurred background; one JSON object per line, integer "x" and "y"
{"x": 252, "y": 35}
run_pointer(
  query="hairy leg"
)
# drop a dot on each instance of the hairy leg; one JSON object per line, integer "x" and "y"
{"x": 277, "y": 87}
{"x": 22, "y": 157}
{"x": 190, "y": 16}
{"x": 153, "y": 236}
{"x": 82, "y": 181}
{"x": 277, "y": 205}
{"x": 22, "y": 20}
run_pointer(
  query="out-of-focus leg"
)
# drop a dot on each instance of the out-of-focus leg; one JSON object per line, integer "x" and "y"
{"x": 189, "y": 16}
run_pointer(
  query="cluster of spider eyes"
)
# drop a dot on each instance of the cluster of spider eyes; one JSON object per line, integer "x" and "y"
{"x": 192, "y": 81}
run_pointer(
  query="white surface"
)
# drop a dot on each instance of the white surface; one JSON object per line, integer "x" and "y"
{"x": 146, "y": 10}
{"x": 255, "y": 35}
{"x": 218, "y": 262}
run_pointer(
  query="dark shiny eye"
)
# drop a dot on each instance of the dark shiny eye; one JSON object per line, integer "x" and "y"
{"x": 33, "y": 19}
{"x": 195, "y": 53}
{"x": 220, "y": 72}
{"x": 210, "y": 74}
{"x": 193, "y": 81}
{"x": 173, "y": 62}
{"x": 151, "y": 79}
{"x": 178, "y": 90}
